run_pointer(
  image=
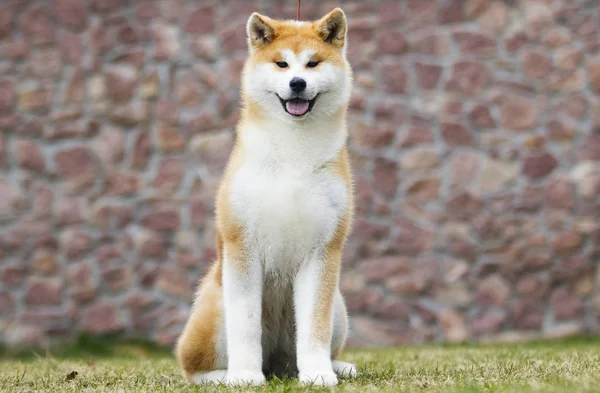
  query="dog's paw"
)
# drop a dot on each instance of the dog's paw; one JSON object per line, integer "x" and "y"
{"x": 245, "y": 378}
{"x": 344, "y": 369}
{"x": 325, "y": 378}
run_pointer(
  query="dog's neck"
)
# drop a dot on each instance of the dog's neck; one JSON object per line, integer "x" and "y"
{"x": 306, "y": 143}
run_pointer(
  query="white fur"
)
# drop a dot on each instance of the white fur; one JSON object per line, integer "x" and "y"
{"x": 289, "y": 208}
{"x": 216, "y": 377}
{"x": 344, "y": 369}
{"x": 314, "y": 358}
{"x": 332, "y": 83}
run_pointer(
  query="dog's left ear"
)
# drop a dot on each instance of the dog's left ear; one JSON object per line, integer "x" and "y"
{"x": 260, "y": 31}
{"x": 333, "y": 27}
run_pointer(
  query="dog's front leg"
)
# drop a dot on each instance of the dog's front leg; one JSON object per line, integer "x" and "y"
{"x": 242, "y": 288}
{"x": 314, "y": 290}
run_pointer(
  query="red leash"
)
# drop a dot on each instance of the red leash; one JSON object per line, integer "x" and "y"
{"x": 298, "y": 13}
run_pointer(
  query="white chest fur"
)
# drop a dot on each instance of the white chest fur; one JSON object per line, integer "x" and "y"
{"x": 287, "y": 201}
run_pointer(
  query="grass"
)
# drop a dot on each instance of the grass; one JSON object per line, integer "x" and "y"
{"x": 568, "y": 366}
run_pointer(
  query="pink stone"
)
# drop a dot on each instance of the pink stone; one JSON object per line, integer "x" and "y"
{"x": 126, "y": 34}
{"x": 385, "y": 175}
{"x": 16, "y": 50}
{"x": 213, "y": 149}
{"x": 519, "y": 113}
{"x": 560, "y": 194}
{"x": 146, "y": 12}
{"x": 565, "y": 305}
{"x": 75, "y": 243}
{"x": 70, "y": 46}
{"x": 433, "y": 44}
{"x": 468, "y": 78}
{"x": 122, "y": 182}
{"x": 110, "y": 215}
{"x": 170, "y": 139}
{"x": 43, "y": 291}
{"x": 109, "y": 145}
{"x": 121, "y": 82}
{"x": 102, "y": 318}
{"x": 416, "y": 136}
{"x": 390, "y": 11}
{"x": 412, "y": 239}
{"x": 394, "y": 78}
{"x": 36, "y": 25}
{"x": 116, "y": 278}
{"x": 69, "y": 210}
{"x": 6, "y": 21}
{"x": 391, "y": 42}
{"x": 428, "y": 75}
{"x": 29, "y": 156}
{"x": 464, "y": 167}
{"x": 75, "y": 91}
{"x": 71, "y": 13}
{"x": 7, "y": 96}
{"x": 451, "y": 11}
{"x": 453, "y": 325}
{"x": 481, "y": 117}
{"x": 169, "y": 173}
{"x": 425, "y": 189}
{"x": 566, "y": 241}
{"x": 456, "y": 135}
{"x": 374, "y": 137}
{"x": 12, "y": 200}
{"x": 105, "y": 5}
{"x": 13, "y": 275}
{"x": 538, "y": 165}
{"x": 535, "y": 64}
{"x": 493, "y": 290}
{"x": 162, "y": 219}
{"x": 475, "y": 43}
{"x": 7, "y": 302}
{"x": 174, "y": 281}
{"x": 77, "y": 165}
{"x": 489, "y": 322}
{"x": 197, "y": 213}
{"x": 200, "y": 21}
{"x": 463, "y": 204}
{"x": 234, "y": 38}
{"x": 141, "y": 150}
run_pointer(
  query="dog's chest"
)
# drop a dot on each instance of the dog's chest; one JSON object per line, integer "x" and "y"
{"x": 287, "y": 212}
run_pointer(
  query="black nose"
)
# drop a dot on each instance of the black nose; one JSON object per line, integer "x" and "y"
{"x": 297, "y": 85}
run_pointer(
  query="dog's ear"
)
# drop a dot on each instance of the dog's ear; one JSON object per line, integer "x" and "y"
{"x": 260, "y": 31}
{"x": 333, "y": 27}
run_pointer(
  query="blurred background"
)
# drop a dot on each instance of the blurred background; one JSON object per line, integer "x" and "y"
{"x": 475, "y": 141}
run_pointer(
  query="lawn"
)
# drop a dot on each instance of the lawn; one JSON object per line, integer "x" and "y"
{"x": 570, "y": 366}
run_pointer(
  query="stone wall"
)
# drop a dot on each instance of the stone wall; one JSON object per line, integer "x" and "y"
{"x": 475, "y": 141}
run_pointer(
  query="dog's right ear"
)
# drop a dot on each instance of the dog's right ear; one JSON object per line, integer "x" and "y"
{"x": 260, "y": 31}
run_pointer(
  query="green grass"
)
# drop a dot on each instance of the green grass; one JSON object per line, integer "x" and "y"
{"x": 569, "y": 366}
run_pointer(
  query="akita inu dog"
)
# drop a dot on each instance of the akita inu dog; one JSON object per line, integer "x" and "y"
{"x": 271, "y": 302}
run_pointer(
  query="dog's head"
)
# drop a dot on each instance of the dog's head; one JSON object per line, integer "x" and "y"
{"x": 297, "y": 70}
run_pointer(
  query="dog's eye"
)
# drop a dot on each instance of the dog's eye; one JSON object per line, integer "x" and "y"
{"x": 312, "y": 64}
{"x": 281, "y": 64}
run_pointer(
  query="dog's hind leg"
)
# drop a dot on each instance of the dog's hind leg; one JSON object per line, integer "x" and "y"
{"x": 338, "y": 339}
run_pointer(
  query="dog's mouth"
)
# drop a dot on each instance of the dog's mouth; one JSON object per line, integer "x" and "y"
{"x": 297, "y": 106}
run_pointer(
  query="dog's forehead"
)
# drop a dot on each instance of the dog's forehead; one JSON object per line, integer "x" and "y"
{"x": 302, "y": 56}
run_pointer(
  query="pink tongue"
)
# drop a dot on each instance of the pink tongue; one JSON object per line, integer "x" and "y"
{"x": 296, "y": 107}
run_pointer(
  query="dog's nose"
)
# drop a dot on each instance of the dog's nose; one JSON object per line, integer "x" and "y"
{"x": 297, "y": 85}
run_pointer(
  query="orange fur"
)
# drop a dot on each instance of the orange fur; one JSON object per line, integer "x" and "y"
{"x": 195, "y": 350}
{"x": 196, "y": 347}
{"x": 333, "y": 258}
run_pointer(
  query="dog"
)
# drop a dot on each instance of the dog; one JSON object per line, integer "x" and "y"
{"x": 271, "y": 304}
